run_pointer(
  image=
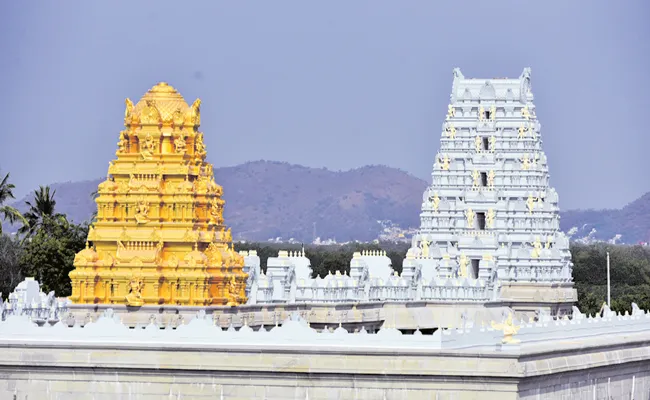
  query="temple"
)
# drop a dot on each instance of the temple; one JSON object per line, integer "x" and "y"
{"x": 489, "y": 229}
{"x": 490, "y": 214}
{"x": 159, "y": 235}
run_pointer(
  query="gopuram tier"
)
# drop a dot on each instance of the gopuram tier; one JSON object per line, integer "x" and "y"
{"x": 490, "y": 214}
{"x": 159, "y": 235}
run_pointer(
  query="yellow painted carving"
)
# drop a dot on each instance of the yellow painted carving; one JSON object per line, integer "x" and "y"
{"x": 489, "y": 218}
{"x": 444, "y": 162}
{"x": 509, "y": 330}
{"x": 451, "y": 111}
{"x": 469, "y": 214}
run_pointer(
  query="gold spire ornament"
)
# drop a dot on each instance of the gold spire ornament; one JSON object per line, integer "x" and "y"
{"x": 159, "y": 236}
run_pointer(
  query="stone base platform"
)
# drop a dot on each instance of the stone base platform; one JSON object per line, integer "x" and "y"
{"x": 405, "y": 316}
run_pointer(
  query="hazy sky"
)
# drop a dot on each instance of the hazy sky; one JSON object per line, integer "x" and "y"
{"x": 340, "y": 84}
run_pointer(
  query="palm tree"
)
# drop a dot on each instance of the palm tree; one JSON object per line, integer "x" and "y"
{"x": 40, "y": 211}
{"x": 8, "y": 213}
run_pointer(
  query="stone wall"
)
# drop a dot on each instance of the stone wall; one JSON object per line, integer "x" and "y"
{"x": 608, "y": 356}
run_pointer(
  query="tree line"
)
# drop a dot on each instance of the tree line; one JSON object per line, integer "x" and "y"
{"x": 46, "y": 242}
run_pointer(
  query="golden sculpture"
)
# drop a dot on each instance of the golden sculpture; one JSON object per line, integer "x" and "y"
{"x": 493, "y": 143}
{"x": 509, "y": 330}
{"x": 525, "y": 162}
{"x": 490, "y": 179}
{"x": 469, "y": 213}
{"x": 525, "y": 113}
{"x": 530, "y": 203}
{"x": 128, "y": 110}
{"x": 481, "y": 113}
{"x": 477, "y": 144}
{"x": 462, "y": 269}
{"x": 199, "y": 147}
{"x": 180, "y": 146}
{"x": 134, "y": 298}
{"x": 435, "y": 202}
{"x": 142, "y": 209}
{"x": 522, "y": 132}
{"x": 451, "y": 131}
{"x": 444, "y": 162}
{"x": 232, "y": 292}
{"x": 147, "y": 147}
{"x": 537, "y": 248}
{"x": 493, "y": 113}
{"x": 476, "y": 176}
{"x": 159, "y": 235}
{"x": 122, "y": 143}
{"x": 451, "y": 111}
{"x": 489, "y": 218}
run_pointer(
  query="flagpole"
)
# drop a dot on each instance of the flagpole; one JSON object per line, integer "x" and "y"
{"x": 609, "y": 292}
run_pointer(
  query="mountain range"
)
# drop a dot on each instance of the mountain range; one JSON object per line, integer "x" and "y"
{"x": 269, "y": 200}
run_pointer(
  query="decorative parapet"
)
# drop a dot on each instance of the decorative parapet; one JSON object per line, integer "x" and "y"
{"x": 295, "y": 331}
{"x": 28, "y": 300}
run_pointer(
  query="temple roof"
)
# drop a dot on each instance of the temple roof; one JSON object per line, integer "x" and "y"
{"x": 167, "y": 101}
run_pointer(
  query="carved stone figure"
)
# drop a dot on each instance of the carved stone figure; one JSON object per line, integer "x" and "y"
{"x": 199, "y": 147}
{"x": 122, "y": 144}
{"x": 493, "y": 112}
{"x": 481, "y": 113}
{"x": 522, "y": 132}
{"x": 451, "y": 131}
{"x": 134, "y": 298}
{"x": 444, "y": 162}
{"x": 195, "y": 112}
{"x": 128, "y": 110}
{"x": 150, "y": 114}
{"x": 490, "y": 179}
{"x": 180, "y": 146}
{"x": 489, "y": 218}
{"x": 232, "y": 292}
{"x": 435, "y": 202}
{"x": 451, "y": 111}
{"x": 493, "y": 143}
{"x": 216, "y": 211}
{"x": 142, "y": 210}
{"x": 147, "y": 147}
{"x": 530, "y": 203}
{"x": 525, "y": 113}
{"x": 462, "y": 266}
{"x": 525, "y": 162}
{"x": 469, "y": 214}
{"x": 509, "y": 330}
{"x": 475, "y": 179}
{"x": 537, "y": 248}
{"x": 477, "y": 143}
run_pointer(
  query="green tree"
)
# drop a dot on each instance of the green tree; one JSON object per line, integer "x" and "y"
{"x": 8, "y": 213}
{"x": 49, "y": 252}
{"x": 10, "y": 272}
{"x": 41, "y": 208}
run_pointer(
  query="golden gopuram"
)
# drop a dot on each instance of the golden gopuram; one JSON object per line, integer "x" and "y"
{"x": 159, "y": 235}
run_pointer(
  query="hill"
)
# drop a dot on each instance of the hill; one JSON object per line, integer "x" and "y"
{"x": 266, "y": 199}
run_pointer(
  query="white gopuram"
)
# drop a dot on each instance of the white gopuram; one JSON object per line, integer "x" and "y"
{"x": 489, "y": 213}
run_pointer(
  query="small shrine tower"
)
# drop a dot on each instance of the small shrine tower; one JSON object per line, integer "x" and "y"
{"x": 159, "y": 235}
{"x": 490, "y": 213}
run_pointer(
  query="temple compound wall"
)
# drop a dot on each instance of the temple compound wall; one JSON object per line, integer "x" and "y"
{"x": 604, "y": 357}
